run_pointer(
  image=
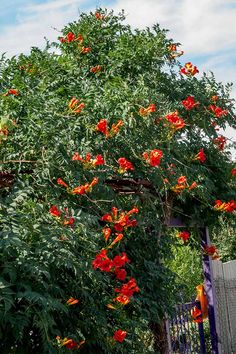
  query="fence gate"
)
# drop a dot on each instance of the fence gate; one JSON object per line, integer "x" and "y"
{"x": 185, "y": 335}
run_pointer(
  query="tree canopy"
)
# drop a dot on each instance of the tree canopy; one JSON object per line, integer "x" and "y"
{"x": 104, "y": 137}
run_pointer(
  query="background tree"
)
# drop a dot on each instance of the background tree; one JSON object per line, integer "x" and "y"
{"x": 107, "y": 124}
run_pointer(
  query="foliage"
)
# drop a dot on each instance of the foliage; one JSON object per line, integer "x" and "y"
{"x": 186, "y": 263}
{"x": 223, "y": 237}
{"x": 50, "y": 105}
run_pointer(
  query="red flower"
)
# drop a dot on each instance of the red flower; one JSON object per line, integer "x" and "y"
{"x": 120, "y": 260}
{"x": 98, "y": 160}
{"x": 220, "y": 142}
{"x": 69, "y": 343}
{"x": 70, "y": 37}
{"x": 107, "y": 233}
{"x": 125, "y": 165}
{"x": 176, "y": 122}
{"x": 129, "y": 288}
{"x": 120, "y": 335}
{"x": 72, "y": 301}
{"x": 233, "y": 172}
{"x": 77, "y": 157}
{"x": 122, "y": 299}
{"x": 189, "y": 69}
{"x": 193, "y": 185}
{"x": 184, "y": 235}
{"x": 62, "y": 183}
{"x": 85, "y": 50}
{"x": 116, "y": 127}
{"x": 145, "y": 111}
{"x": 102, "y": 262}
{"x": 54, "y": 211}
{"x": 211, "y": 251}
{"x": 189, "y": 103}
{"x": 95, "y": 69}
{"x": 120, "y": 274}
{"x": 69, "y": 221}
{"x": 107, "y": 217}
{"x": 134, "y": 210}
{"x": 218, "y": 112}
{"x": 200, "y": 156}
{"x": 75, "y": 106}
{"x": 197, "y": 315}
{"x": 117, "y": 239}
{"x": 99, "y": 16}
{"x": 182, "y": 180}
{"x": 12, "y": 92}
{"x": 154, "y": 157}
{"x": 102, "y": 127}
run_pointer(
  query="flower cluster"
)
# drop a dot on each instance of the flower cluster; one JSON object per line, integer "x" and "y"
{"x": 102, "y": 127}
{"x": 173, "y": 51}
{"x": 153, "y": 158}
{"x": 229, "y": 207}
{"x": 125, "y": 165}
{"x": 145, "y": 111}
{"x": 117, "y": 222}
{"x": 184, "y": 235}
{"x": 87, "y": 161}
{"x": 220, "y": 142}
{"x": 69, "y": 343}
{"x": 217, "y": 111}
{"x": 126, "y": 291}
{"x": 83, "y": 189}
{"x": 95, "y": 69}
{"x": 75, "y": 106}
{"x": 105, "y": 264}
{"x": 71, "y": 37}
{"x": 200, "y": 156}
{"x": 67, "y": 220}
{"x": 80, "y": 189}
{"x": 120, "y": 221}
{"x": 189, "y": 69}
{"x": 85, "y": 50}
{"x": 183, "y": 185}
{"x": 211, "y": 251}
{"x": 175, "y": 121}
{"x": 189, "y": 103}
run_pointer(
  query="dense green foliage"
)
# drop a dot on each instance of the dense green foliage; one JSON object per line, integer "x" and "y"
{"x": 44, "y": 263}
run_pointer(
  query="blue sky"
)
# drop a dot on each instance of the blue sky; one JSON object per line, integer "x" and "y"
{"x": 206, "y": 28}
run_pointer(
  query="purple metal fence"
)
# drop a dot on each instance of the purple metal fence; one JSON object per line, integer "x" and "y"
{"x": 185, "y": 335}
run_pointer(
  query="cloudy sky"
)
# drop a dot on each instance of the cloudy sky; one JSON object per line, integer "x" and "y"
{"x": 206, "y": 28}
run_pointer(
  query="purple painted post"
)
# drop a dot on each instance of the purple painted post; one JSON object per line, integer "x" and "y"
{"x": 209, "y": 291}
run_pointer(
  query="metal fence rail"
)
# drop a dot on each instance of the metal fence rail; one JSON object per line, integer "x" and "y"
{"x": 185, "y": 335}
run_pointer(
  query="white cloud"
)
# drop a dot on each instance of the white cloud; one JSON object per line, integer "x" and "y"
{"x": 36, "y": 22}
{"x": 202, "y": 27}
{"x": 48, "y": 6}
